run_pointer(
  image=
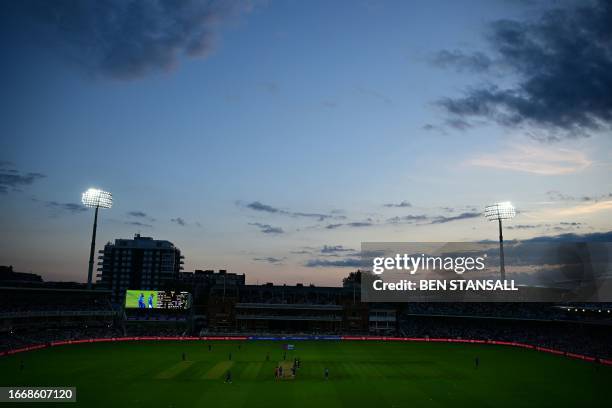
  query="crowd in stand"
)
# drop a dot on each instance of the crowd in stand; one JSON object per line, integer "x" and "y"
{"x": 158, "y": 331}
{"x": 155, "y": 315}
{"x": 535, "y": 311}
{"x": 23, "y": 338}
{"x": 582, "y": 339}
{"x": 276, "y": 298}
{"x": 16, "y": 339}
{"x": 587, "y": 339}
{"x": 565, "y": 327}
{"x": 268, "y": 333}
{"x": 18, "y": 303}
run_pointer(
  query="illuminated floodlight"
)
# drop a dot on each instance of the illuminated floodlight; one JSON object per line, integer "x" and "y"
{"x": 97, "y": 198}
{"x": 500, "y": 211}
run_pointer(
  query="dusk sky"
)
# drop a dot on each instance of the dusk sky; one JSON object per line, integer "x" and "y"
{"x": 271, "y": 138}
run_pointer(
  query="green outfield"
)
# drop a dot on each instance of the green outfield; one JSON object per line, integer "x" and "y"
{"x": 362, "y": 374}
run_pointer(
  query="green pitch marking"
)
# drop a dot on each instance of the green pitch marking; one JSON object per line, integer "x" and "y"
{"x": 218, "y": 370}
{"x": 174, "y": 370}
{"x": 286, "y": 365}
{"x": 195, "y": 372}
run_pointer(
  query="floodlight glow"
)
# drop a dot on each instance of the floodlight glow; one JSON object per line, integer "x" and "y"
{"x": 500, "y": 211}
{"x": 97, "y": 198}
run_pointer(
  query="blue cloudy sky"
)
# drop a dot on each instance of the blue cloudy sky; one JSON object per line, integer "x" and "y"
{"x": 272, "y": 138}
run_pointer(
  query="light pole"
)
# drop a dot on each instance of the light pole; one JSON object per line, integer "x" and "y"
{"x": 498, "y": 212}
{"x": 96, "y": 199}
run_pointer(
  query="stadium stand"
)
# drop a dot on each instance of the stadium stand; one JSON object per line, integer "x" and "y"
{"x": 588, "y": 339}
{"x": 38, "y": 315}
{"x": 42, "y": 314}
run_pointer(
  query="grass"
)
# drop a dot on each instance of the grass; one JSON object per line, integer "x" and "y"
{"x": 362, "y": 374}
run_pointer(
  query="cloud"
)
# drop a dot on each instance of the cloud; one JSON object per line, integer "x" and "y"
{"x": 410, "y": 219}
{"x": 458, "y": 123}
{"x": 258, "y": 206}
{"x": 463, "y": 216}
{"x": 270, "y": 260}
{"x": 423, "y": 219}
{"x": 420, "y": 219}
{"x": 570, "y": 223}
{"x": 355, "y": 224}
{"x": 460, "y": 208}
{"x": 571, "y": 237}
{"x": 535, "y": 160}
{"x": 71, "y": 208}
{"x": 333, "y": 226}
{"x": 562, "y": 62}
{"x": 334, "y": 249}
{"x": 554, "y": 195}
{"x": 584, "y": 209}
{"x": 182, "y": 222}
{"x": 476, "y": 62}
{"x": 336, "y": 263}
{"x": 138, "y": 224}
{"x": 122, "y": 39}
{"x": 267, "y": 228}
{"x": 403, "y": 204}
{"x": 523, "y": 226}
{"x": 359, "y": 224}
{"x": 140, "y": 214}
{"x": 562, "y": 226}
{"x": 320, "y": 217}
{"x": 12, "y": 179}
{"x": 179, "y": 221}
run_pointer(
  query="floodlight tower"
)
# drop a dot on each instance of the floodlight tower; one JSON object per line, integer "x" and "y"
{"x": 498, "y": 212}
{"x": 96, "y": 199}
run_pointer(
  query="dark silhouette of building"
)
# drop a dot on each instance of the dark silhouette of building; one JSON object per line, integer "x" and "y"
{"x": 9, "y": 277}
{"x": 210, "y": 278}
{"x": 139, "y": 263}
{"x": 273, "y": 308}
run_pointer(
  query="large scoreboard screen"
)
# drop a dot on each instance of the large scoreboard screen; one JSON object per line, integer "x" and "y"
{"x": 157, "y": 299}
